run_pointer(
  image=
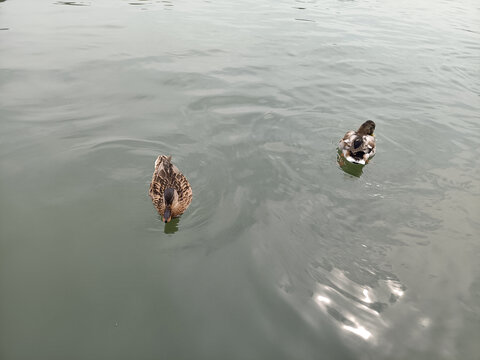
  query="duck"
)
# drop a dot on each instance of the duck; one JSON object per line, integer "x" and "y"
{"x": 170, "y": 190}
{"x": 358, "y": 147}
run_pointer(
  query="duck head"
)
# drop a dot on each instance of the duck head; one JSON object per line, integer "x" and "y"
{"x": 367, "y": 128}
{"x": 169, "y": 196}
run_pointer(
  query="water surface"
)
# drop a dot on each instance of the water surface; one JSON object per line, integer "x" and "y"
{"x": 282, "y": 254}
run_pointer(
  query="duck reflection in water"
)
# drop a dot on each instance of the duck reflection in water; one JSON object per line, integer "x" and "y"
{"x": 348, "y": 167}
{"x": 172, "y": 226}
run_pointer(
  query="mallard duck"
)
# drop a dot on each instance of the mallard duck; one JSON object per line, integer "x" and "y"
{"x": 170, "y": 191}
{"x": 358, "y": 147}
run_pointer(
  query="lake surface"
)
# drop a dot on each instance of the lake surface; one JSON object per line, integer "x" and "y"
{"x": 282, "y": 254}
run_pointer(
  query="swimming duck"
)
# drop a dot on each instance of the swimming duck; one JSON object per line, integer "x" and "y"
{"x": 170, "y": 191}
{"x": 358, "y": 147}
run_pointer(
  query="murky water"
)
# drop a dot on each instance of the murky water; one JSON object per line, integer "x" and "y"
{"x": 282, "y": 254}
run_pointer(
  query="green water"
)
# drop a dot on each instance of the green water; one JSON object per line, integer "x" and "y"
{"x": 282, "y": 254}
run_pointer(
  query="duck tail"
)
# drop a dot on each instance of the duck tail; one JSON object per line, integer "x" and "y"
{"x": 163, "y": 166}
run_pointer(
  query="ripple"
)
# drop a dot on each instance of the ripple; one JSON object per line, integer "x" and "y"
{"x": 73, "y": 3}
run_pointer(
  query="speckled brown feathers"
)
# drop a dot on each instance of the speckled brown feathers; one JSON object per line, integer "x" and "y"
{"x": 167, "y": 175}
{"x": 359, "y": 147}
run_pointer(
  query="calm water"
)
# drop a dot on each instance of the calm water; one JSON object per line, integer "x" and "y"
{"x": 282, "y": 254}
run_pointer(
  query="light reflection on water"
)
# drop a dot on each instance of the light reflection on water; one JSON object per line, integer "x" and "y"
{"x": 367, "y": 309}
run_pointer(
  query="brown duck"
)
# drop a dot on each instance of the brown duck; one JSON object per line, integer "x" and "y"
{"x": 358, "y": 147}
{"x": 170, "y": 191}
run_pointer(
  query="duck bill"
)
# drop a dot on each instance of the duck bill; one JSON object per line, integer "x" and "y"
{"x": 167, "y": 215}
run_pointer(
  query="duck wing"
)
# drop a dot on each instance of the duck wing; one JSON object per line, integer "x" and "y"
{"x": 160, "y": 181}
{"x": 347, "y": 140}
